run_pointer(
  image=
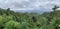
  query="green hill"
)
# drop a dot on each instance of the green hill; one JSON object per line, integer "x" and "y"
{"x": 17, "y": 20}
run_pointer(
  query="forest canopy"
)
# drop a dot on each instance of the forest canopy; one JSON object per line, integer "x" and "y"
{"x": 17, "y": 20}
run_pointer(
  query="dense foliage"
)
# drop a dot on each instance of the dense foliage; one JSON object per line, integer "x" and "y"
{"x": 16, "y": 20}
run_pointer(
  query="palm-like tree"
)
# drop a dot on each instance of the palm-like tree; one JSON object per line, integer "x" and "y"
{"x": 55, "y": 8}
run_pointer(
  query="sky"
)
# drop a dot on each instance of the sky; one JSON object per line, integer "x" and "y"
{"x": 29, "y": 4}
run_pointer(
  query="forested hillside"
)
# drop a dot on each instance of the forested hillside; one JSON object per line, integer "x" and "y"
{"x": 16, "y": 20}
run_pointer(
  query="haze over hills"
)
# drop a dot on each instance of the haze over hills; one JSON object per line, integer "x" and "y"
{"x": 35, "y": 11}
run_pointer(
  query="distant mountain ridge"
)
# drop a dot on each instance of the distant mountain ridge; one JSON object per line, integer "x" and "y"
{"x": 35, "y": 11}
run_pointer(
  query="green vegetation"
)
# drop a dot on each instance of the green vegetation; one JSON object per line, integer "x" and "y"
{"x": 16, "y": 20}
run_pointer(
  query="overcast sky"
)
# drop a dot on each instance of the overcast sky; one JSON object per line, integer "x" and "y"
{"x": 28, "y": 4}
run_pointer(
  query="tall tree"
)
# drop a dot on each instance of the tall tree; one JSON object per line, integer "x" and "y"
{"x": 8, "y": 9}
{"x": 55, "y": 8}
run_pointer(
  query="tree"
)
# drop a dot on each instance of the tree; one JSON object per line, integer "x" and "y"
{"x": 12, "y": 25}
{"x": 55, "y": 8}
{"x": 8, "y": 9}
{"x": 34, "y": 19}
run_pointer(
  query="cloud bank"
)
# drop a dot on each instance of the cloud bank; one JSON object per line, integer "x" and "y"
{"x": 28, "y": 4}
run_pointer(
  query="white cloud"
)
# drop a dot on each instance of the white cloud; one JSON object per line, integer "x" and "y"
{"x": 28, "y": 4}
